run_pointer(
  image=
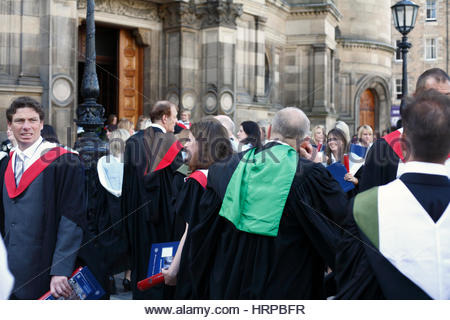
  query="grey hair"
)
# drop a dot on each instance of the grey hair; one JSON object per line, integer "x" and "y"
{"x": 117, "y": 141}
{"x": 227, "y": 123}
{"x": 291, "y": 123}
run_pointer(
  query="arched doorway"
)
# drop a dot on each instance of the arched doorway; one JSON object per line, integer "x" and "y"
{"x": 119, "y": 69}
{"x": 367, "y": 108}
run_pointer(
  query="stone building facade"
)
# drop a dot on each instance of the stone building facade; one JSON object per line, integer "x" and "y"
{"x": 243, "y": 58}
{"x": 430, "y": 45}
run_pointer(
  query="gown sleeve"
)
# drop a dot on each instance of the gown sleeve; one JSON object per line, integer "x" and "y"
{"x": 380, "y": 166}
{"x": 322, "y": 205}
{"x": 353, "y": 273}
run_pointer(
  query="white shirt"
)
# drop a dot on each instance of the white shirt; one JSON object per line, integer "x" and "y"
{"x": 425, "y": 167}
{"x": 32, "y": 153}
{"x": 155, "y": 125}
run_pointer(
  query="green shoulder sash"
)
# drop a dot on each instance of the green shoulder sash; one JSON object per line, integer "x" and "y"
{"x": 365, "y": 213}
{"x": 257, "y": 192}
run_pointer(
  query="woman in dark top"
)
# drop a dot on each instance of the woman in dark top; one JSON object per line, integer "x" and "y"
{"x": 208, "y": 143}
{"x": 249, "y": 135}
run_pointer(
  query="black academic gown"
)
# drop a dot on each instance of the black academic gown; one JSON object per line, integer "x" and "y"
{"x": 62, "y": 197}
{"x": 225, "y": 263}
{"x": 148, "y": 205}
{"x": 380, "y": 166}
{"x": 187, "y": 207}
{"x": 111, "y": 236}
{"x": 362, "y": 272}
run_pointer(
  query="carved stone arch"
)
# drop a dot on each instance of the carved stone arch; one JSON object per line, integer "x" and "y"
{"x": 379, "y": 86}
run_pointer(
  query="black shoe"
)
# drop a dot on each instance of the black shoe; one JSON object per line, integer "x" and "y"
{"x": 126, "y": 284}
{"x": 112, "y": 285}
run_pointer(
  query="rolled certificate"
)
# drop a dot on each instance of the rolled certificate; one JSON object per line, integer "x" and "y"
{"x": 150, "y": 282}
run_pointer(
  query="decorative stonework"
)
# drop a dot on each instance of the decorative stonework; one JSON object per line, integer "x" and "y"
{"x": 130, "y": 8}
{"x": 220, "y": 13}
{"x": 366, "y": 44}
{"x": 179, "y": 14}
{"x": 213, "y": 13}
{"x": 226, "y": 102}
{"x": 316, "y": 9}
{"x": 210, "y": 103}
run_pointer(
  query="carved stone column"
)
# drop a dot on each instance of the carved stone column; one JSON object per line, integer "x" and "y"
{"x": 321, "y": 82}
{"x": 218, "y": 23}
{"x": 181, "y": 37}
{"x": 29, "y": 59}
{"x": 260, "y": 59}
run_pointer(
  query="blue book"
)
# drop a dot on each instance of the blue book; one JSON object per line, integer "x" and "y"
{"x": 338, "y": 172}
{"x": 161, "y": 256}
{"x": 84, "y": 287}
{"x": 360, "y": 151}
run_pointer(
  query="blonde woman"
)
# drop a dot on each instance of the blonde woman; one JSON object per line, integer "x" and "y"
{"x": 127, "y": 125}
{"x": 365, "y": 136}
{"x": 318, "y": 137}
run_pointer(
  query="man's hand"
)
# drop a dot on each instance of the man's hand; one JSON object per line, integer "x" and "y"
{"x": 59, "y": 286}
{"x": 307, "y": 151}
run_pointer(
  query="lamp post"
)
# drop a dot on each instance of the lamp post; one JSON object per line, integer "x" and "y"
{"x": 90, "y": 113}
{"x": 90, "y": 146}
{"x": 404, "y": 13}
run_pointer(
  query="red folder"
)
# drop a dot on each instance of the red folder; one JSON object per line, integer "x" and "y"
{"x": 346, "y": 162}
{"x": 150, "y": 282}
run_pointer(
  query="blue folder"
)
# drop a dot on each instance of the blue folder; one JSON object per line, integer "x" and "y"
{"x": 338, "y": 172}
{"x": 161, "y": 256}
{"x": 360, "y": 151}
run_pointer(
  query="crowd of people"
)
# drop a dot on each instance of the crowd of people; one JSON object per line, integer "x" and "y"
{"x": 261, "y": 211}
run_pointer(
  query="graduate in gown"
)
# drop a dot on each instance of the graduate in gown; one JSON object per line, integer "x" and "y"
{"x": 207, "y": 143}
{"x": 397, "y": 241}
{"x": 264, "y": 230}
{"x": 385, "y": 160}
{"x": 152, "y": 175}
{"x": 110, "y": 234}
{"x": 42, "y": 208}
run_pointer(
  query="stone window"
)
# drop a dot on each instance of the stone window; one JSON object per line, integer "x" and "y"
{"x": 430, "y": 49}
{"x": 431, "y": 10}
{"x": 398, "y": 88}
{"x": 398, "y": 52}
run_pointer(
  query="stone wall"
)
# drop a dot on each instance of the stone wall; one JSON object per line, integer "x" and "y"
{"x": 417, "y": 62}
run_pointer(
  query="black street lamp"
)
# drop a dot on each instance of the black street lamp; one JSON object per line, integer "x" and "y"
{"x": 90, "y": 113}
{"x": 405, "y": 14}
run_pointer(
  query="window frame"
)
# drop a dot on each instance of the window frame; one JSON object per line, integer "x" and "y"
{"x": 398, "y": 51}
{"x": 398, "y": 84}
{"x": 430, "y": 7}
{"x": 435, "y": 41}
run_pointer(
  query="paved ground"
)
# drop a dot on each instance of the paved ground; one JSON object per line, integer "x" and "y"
{"x": 121, "y": 294}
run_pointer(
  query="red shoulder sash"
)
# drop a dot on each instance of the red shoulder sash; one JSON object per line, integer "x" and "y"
{"x": 200, "y": 177}
{"x": 181, "y": 125}
{"x": 169, "y": 156}
{"x": 31, "y": 173}
{"x": 393, "y": 139}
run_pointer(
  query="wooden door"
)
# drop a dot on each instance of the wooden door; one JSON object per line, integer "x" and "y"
{"x": 367, "y": 109}
{"x": 130, "y": 77}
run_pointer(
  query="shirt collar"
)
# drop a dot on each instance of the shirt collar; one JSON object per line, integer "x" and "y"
{"x": 425, "y": 167}
{"x": 29, "y": 152}
{"x": 155, "y": 125}
{"x": 277, "y": 141}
